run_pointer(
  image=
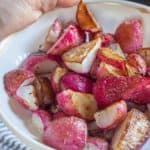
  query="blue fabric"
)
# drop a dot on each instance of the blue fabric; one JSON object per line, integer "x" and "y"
{"x": 8, "y": 141}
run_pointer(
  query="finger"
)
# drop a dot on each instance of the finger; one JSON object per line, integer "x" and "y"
{"x": 67, "y": 3}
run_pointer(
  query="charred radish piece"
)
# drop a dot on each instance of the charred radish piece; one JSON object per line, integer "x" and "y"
{"x": 86, "y": 19}
{"x": 53, "y": 34}
{"x": 80, "y": 59}
{"x": 58, "y": 73}
{"x": 40, "y": 121}
{"x": 40, "y": 63}
{"x": 70, "y": 38}
{"x": 76, "y": 82}
{"x": 137, "y": 62}
{"x": 44, "y": 91}
{"x": 145, "y": 53}
{"x": 111, "y": 57}
{"x": 68, "y": 133}
{"x": 133, "y": 132}
{"x": 13, "y": 79}
{"x": 106, "y": 70}
{"x": 129, "y": 35}
{"x": 79, "y": 104}
{"x": 111, "y": 116}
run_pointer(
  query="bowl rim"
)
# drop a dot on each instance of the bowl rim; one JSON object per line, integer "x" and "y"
{"x": 18, "y": 133}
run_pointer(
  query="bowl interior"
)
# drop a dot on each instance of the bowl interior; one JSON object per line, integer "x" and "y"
{"x": 15, "y": 49}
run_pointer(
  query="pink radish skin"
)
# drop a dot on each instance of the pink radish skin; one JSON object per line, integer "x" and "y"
{"x": 57, "y": 74}
{"x": 40, "y": 63}
{"x": 78, "y": 104}
{"x": 70, "y": 38}
{"x": 77, "y": 83}
{"x": 41, "y": 120}
{"x": 13, "y": 79}
{"x": 68, "y": 133}
{"x": 53, "y": 34}
{"x": 111, "y": 116}
{"x": 96, "y": 143}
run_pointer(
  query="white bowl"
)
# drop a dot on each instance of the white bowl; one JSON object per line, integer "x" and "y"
{"x": 16, "y": 47}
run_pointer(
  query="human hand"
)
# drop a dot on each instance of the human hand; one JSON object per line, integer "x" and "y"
{"x": 20, "y": 13}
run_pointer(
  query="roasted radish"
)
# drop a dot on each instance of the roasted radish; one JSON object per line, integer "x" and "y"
{"x": 13, "y": 79}
{"x": 133, "y": 132}
{"x": 111, "y": 57}
{"x": 111, "y": 116}
{"x": 79, "y": 104}
{"x": 129, "y": 35}
{"x": 68, "y": 133}
{"x": 77, "y": 83}
{"x": 137, "y": 62}
{"x": 86, "y": 19}
{"x": 44, "y": 92}
{"x": 40, "y": 63}
{"x": 57, "y": 74}
{"x": 40, "y": 121}
{"x": 109, "y": 90}
{"x": 96, "y": 143}
{"x": 69, "y": 39}
{"x": 80, "y": 59}
{"x": 145, "y": 53}
{"x": 106, "y": 70}
{"x": 53, "y": 34}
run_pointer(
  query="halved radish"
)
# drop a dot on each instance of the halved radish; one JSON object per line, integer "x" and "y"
{"x": 67, "y": 133}
{"x": 106, "y": 70}
{"x": 69, "y": 39}
{"x": 77, "y": 83}
{"x": 137, "y": 62}
{"x": 78, "y": 104}
{"x": 13, "y": 79}
{"x": 53, "y": 34}
{"x": 86, "y": 19}
{"x": 40, "y": 63}
{"x": 111, "y": 116}
{"x": 26, "y": 95}
{"x": 133, "y": 132}
{"x": 40, "y": 121}
{"x": 56, "y": 76}
{"x": 80, "y": 59}
{"x": 111, "y": 57}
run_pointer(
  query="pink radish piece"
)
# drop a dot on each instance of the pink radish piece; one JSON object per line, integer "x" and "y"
{"x": 40, "y": 121}
{"x": 70, "y": 38}
{"x": 40, "y": 63}
{"x": 57, "y": 74}
{"x": 13, "y": 79}
{"x": 96, "y": 143}
{"x": 68, "y": 133}
{"x": 78, "y": 104}
{"x": 53, "y": 34}
{"x": 111, "y": 116}
{"x": 26, "y": 95}
{"x": 76, "y": 82}
{"x": 80, "y": 59}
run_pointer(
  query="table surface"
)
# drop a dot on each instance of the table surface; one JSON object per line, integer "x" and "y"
{"x": 8, "y": 141}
